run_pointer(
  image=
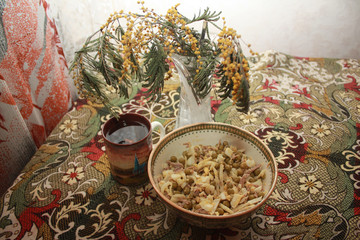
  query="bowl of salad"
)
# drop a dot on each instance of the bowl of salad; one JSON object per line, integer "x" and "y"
{"x": 212, "y": 175}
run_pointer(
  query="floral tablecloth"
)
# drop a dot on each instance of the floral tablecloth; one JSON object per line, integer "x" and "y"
{"x": 306, "y": 110}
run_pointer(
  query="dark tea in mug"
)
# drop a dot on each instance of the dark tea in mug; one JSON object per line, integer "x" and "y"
{"x": 127, "y": 132}
{"x": 128, "y": 143}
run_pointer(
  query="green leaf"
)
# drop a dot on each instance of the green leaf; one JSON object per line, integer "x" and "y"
{"x": 156, "y": 68}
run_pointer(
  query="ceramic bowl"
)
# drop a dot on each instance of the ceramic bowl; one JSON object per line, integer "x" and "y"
{"x": 210, "y": 134}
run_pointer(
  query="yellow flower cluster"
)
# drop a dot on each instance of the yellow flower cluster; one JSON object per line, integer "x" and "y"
{"x": 172, "y": 31}
{"x": 149, "y": 28}
{"x": 172, "y": 44}
{"x": 235, "y": 68}
{"x": 132, "y": 40}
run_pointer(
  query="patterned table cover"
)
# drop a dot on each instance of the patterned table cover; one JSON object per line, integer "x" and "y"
{"x": 306, "y": 110}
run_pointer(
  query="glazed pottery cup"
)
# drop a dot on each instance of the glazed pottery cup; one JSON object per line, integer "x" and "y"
{"x": 128, "y": 144}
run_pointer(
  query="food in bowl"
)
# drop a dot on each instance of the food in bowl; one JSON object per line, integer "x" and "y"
{"x": 215, "y": 180}
{"x": 177, "y": 142}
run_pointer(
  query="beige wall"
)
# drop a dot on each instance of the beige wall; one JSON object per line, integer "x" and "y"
{"x": 308, "y": 28}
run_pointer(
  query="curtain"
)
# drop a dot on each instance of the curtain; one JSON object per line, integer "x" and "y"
{"x": 34, "y": 89}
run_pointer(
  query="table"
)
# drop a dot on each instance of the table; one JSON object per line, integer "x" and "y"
{"x": 306, "y": 110}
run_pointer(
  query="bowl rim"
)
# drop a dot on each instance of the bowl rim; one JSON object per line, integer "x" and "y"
{"x": 200, "y": 215}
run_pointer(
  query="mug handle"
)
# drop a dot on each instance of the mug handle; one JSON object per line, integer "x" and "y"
{"x": 157, "y": 124}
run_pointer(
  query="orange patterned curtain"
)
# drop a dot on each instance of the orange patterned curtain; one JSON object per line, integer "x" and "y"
{"x": 34, "y": 91}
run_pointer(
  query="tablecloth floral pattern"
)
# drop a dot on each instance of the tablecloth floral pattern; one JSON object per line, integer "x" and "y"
{"x": 306, "y": 110}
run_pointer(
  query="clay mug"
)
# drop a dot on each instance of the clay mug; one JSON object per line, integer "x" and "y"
{"x": 128, "y": 144}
